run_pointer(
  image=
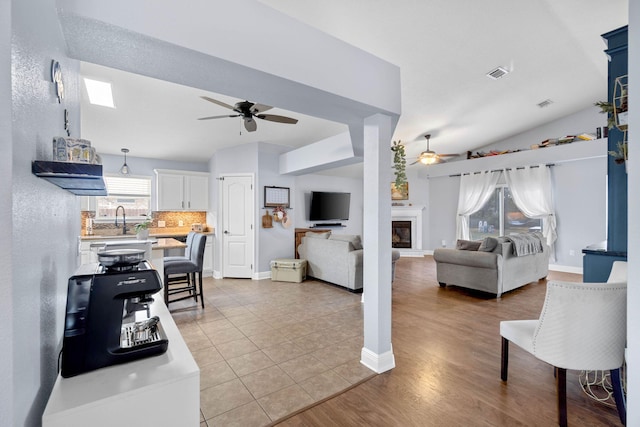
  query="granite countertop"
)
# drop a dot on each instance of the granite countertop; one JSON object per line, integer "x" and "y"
{"x": 153, "y": 232}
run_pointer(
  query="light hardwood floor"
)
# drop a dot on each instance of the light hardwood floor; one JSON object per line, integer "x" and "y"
{"x": 446, "y": 343}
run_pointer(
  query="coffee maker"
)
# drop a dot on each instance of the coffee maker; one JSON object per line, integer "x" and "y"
{"x": 108, "y": 317}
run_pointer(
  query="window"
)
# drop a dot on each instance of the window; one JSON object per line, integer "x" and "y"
{"x": 132, "y": 193}
{"x": 500, "y": 216}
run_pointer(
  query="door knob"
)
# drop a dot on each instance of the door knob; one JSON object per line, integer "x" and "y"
{"x": 226, "y": 232}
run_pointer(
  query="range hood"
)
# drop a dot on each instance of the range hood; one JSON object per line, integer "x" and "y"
{"x": 82, "y": 179}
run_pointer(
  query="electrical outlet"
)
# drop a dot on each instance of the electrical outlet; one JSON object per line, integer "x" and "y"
{"x": 162, "y": 224}
{"x": 181, "y": 223}
{"x": 444, "y": 243}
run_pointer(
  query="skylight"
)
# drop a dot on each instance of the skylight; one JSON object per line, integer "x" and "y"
{"x": 99, "y": 92}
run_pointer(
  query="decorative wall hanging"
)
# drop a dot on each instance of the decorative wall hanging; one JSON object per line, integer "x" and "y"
{"x": 56, "y": 77}
{"x": 276, "y": 197}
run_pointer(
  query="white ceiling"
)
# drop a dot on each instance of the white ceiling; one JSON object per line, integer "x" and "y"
{"x": 443, "y": 48}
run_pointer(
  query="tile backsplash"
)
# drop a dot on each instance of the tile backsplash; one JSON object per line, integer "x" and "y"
{"x": 171, "y": 219}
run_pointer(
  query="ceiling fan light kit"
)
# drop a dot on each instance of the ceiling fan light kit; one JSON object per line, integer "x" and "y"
{"x": 248, "y": 111}
{"x": 430, "y": 157}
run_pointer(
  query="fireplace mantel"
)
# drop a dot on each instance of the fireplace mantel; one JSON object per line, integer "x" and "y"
{"x": 414, "y": 214}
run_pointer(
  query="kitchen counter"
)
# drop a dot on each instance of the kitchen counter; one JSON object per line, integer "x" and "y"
{"x": 161, "y": 390}
{"x": 158, "y": 247}
{"x": 154, "y": 233}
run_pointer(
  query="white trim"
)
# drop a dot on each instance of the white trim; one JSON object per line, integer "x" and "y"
{"x": 414, "y": 215}
{"x": 565, "y": 268}
{"x": 261, "y": 275}
{"x": 378, "y": 363}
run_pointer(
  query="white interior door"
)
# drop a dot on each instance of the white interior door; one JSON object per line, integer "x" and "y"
{"x": 237, "y": 226}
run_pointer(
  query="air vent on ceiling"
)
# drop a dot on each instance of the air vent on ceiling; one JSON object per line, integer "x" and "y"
{"x": 496, "y": 73}
{"x": 545, "y": 103}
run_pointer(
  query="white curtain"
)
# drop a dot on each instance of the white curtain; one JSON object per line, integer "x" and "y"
{"x": 531, "y": 191}
{"x": 475, "y": 190}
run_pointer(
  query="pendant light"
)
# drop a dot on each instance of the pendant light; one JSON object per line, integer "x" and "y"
{"x": 124, "y": 170}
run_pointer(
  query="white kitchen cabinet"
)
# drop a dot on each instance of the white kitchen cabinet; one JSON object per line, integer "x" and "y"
{"x": 181, "y": 190}
{"x": 207, "y": 262}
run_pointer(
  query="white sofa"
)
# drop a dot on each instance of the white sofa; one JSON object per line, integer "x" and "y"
{"x": 336, "y": 258}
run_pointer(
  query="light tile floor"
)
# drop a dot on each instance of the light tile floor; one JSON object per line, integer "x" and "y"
{"x": 267, "y": 349}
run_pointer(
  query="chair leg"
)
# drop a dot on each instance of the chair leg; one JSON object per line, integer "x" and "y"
{"x": 194, "y": 286}
{"x": 618, "y": 395}
{"x": 165, "y": 285}
{"x": 561, "y": 389}
{"x": 201, "y": 291}
{"x": 505, "y": 359}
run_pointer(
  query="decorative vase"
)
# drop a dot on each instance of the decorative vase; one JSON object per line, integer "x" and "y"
{"x": 143, "y": 234}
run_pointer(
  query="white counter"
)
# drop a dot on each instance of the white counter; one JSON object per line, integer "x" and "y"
{"x": 161, "y": 390}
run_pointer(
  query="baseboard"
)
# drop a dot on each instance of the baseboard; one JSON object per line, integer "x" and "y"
{"x": 378, "y": 363}
{"x": 411, "y": 253}
{"x": 261, "y": 275}
{"x": 565, "y": 268}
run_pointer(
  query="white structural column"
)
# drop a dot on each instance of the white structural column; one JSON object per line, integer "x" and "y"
{"x": 377, "y": 353}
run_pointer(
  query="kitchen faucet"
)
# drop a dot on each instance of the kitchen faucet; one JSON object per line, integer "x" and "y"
{"x": 124, "y": 219}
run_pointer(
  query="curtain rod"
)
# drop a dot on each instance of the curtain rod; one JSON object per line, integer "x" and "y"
{"x": 500, "y": 170}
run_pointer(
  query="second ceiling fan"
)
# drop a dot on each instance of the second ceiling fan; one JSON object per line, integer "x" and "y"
{"x": 248, "y": 111}
{"x": 430, "y": 157}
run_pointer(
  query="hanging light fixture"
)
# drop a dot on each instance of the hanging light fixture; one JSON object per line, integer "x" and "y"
{"x": 124, "y": 170}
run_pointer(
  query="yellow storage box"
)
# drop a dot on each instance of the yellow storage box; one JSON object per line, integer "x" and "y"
{"x": 289, "y": 270}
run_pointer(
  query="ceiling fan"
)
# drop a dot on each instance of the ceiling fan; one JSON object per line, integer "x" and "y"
{"x": 248, "y": 111}
{"x": 430, "y": 157}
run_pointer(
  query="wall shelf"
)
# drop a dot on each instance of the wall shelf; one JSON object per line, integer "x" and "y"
{"x": 82, "y": 179}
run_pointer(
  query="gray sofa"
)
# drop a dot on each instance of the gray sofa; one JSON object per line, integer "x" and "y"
{"x": 496, "y": 271}
{"x": 336, "y": 258}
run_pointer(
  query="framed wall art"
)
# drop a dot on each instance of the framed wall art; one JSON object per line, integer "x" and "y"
{"x": 401, "y": 193}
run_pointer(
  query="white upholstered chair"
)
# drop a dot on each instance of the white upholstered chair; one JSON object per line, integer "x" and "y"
{"x": 582, "y": 326}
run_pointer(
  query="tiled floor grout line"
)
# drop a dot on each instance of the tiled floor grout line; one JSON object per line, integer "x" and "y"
{"x": 325, "y": 311}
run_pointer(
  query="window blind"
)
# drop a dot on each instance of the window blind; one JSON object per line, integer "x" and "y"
{"x": 132, "y": 187}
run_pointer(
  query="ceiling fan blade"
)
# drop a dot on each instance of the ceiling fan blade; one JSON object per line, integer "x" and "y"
{"x": 279, "y": 119}
{"x": 220, "y": 103}
{"x": 219, "y": 117}
{"x": 448, "y": 155}
{"x": 259, "y": 108}
{"x": 417, "y": 161}
{"x": 250, "y": 124}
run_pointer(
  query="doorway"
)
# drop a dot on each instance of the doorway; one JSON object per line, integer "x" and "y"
{"x": 237, "y": 226}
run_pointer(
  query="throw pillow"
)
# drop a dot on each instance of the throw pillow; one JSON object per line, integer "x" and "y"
{"x": 488, "y": 244}
{"x": 354, "y": 239}
{"x": 318, "y": 235}
{"x": 468, "y": 245}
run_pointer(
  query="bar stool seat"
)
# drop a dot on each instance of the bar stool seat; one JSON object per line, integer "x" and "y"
{"x": 183, "y": 275}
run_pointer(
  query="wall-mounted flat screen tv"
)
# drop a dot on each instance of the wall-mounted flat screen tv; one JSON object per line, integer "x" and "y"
{"x": 326, "y": 206}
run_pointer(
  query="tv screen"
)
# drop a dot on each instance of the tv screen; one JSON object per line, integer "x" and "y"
{"x": 327, "y": 206}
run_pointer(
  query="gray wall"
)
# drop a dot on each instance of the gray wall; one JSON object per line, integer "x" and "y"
{"x": 579, "y": 193}
{"x": 241, "y": 159}
{"x": 42, "y": 242}
{"x": 305, "y": 184}
{"x": 6, "y": 168}
{"x": 276, "y": 242}
{"x": 141, "y": 166}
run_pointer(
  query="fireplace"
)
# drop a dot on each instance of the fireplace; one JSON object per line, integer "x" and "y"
{"x": 406, "y": 230}
{"x": 401, "y": 234}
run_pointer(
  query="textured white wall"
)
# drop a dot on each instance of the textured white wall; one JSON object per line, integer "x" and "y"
{"x": 42, "y": 233}
{"x": 6, "y": 299}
